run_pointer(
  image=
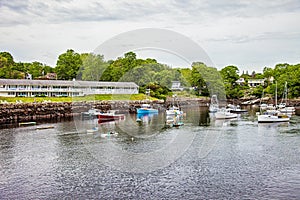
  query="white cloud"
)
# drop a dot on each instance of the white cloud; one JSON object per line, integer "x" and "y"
{"x": 242, "y": 32}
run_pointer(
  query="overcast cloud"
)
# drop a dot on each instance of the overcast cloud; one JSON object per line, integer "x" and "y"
{"x": 248, "y": 34}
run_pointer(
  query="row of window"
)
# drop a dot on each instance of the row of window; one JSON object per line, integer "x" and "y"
{"x": 14, "y": 87}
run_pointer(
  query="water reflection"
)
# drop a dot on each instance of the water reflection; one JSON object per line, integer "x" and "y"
{"x": 221, "y": 159}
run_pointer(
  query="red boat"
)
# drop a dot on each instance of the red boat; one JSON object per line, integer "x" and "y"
{"x": 110, "y": 116}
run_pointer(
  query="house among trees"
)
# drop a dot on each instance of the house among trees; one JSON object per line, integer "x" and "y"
{"x": 256, "y": 82}
{"x": 240, "y": 81}
{"x": 176, "y": 86}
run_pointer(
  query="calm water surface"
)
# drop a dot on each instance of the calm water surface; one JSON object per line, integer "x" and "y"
{"x": 204, "y": 159}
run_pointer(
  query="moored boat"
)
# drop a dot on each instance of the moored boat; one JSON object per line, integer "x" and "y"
{"x": 173, "y": 110}
{"x": 271, "y": 117}
{"x": 90, "y": 114}
{"x": 214, "y": 104}
{"x": 146, "y": 108}
{"x": 110, "y": 116}
{"x": 236, "y": 109}
{"x": 225, "y": 114}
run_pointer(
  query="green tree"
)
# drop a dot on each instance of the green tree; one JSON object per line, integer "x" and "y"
{"x": 6, "y": 65}
{"x": 92, "y": 67}
{"x": 67, "y": 65}
{"x": 230, "y": 76}
{"x": 207, "y": 80}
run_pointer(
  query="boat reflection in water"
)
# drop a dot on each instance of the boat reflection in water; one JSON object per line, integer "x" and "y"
{"x": 145, "y": 117}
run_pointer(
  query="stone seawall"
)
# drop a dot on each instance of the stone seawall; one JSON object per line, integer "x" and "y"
{"x": 24, "y": 112}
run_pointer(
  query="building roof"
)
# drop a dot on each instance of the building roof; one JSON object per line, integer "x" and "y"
{"x": 66, "y": 83}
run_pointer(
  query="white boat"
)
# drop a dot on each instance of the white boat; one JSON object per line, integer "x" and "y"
{"x": 91, "y": 131}
{"x": 173, "y": 121}
{"x": 225, "y": 114}
{"x": 173, "y": 110}
{"x": 288, "y": 110}
{"x": 111, "y": 133}
{"x": 263, "y": 106}
{"x": 90, "y": 114}
{"x": 271, "y": 117}
{"x": 214, "y": 104}
{"x": 282, "y": 107}
{"x": 235, "y": 109}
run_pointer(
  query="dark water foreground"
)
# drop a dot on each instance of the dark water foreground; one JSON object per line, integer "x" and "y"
{"x": 204, "y": 159}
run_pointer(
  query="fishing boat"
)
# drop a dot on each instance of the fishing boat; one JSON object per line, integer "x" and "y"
{"x": 225, "y": 114}
{"x": 236, "y": 109}
{"x": 145, "y": 109}
{"x": 214, "y": 104}
{"x": 90, "y": 114}
{"x": 173, "y": 110}
{"x": 110, "y": 116}
{"x": 173, "y": 121}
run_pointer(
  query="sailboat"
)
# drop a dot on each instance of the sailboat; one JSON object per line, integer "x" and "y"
{"x": 214, "y": 104}
{"x": 271, "y": 116}
{"x": 282, "y": 107}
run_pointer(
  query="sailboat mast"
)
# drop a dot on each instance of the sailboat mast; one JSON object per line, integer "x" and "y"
{"x": 285, "y": 93}
{"x": 276, "y": 95}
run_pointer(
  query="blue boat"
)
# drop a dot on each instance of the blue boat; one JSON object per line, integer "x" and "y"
{"x": 145, "y": 109}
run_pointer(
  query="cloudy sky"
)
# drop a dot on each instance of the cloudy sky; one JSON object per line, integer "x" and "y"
{"x": 247, "y": 33}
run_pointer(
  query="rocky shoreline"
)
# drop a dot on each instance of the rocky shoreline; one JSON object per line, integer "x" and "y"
{"x": 25, "y": 112}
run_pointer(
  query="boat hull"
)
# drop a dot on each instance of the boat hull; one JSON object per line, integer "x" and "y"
{"x": 109, "y": 117}
{"x": 146, "y": 111}
{"x": 272, "y": 119}
{"x": 225, "y": 115}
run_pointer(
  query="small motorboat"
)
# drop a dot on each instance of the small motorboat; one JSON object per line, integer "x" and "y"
{"x": 236, "y": 109}
{"x": 145, "y": 109}
{"x": 110, "y": 116}
{"x": 90, "y": 114}
{"x": 91, "y": 131}
{"x": 110, "y": 133}
{"x": 173, "y": 111}
{"x": 271, "y": 117}
{"x": 225, "y": 114}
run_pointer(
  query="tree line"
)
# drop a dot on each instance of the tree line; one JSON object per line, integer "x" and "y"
{"x": 199, "y": 79}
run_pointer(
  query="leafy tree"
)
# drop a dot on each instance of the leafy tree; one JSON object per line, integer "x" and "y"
{"x": 67, "y": 65}
{"x": 230, "y": 74}
{"x": 207, "y": 80}
{"x": 6, "y": 65}
{"x": 92, "y": 67}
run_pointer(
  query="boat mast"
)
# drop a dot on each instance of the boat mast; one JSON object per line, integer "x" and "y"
{"x": 276, "y": 95}
{"x": 285, "y": 92}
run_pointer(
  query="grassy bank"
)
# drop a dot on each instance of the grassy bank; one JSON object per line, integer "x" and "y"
{"x": 98, "y": 97}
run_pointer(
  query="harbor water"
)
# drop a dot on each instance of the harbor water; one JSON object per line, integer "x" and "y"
{"x": 129, "y": 159}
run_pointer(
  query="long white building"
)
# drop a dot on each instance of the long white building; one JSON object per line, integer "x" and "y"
{"x": 56, "y": 88}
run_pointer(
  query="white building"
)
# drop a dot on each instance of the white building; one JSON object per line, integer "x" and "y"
{"x": 256, "y": 82}
{"x": 52, "y": 88}
{"x": 240, "y": 81}
{"x": 176, "y": 85}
